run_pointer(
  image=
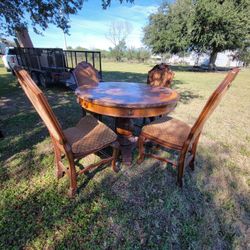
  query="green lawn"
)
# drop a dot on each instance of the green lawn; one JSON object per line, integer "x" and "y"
{"x": 140, "y": 207}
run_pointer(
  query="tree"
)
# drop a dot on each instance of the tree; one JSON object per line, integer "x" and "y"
{"x": 117, "y": 34}
{"x": 107, "y": 3}
{"x": 142, "y": 55}
{"x": 218, "y": 26}
{"x": 243, "y": 55}
{"x": 118, "y": 51}
{"x": 118, "y": 31}
{"x": 80, "y": 48}
{"x": 167, "y": 30}
{"x": 105, "y": 54}
{"x": 13, "y": 14}
{"x": 131, "y": 54}
{"x": 209, "y": 26}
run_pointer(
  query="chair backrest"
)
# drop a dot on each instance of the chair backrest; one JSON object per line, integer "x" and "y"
{"x": 212, "y": 103}
{"x": 40, "y": 103}
{"x": 85, "y": 74}
{"x": 160, "y": 75}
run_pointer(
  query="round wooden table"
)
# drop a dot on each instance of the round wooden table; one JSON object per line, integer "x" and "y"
{"x": 126, "y": 100}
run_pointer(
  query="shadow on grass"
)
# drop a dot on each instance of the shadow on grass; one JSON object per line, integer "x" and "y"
{"x": 140, "y": 208}
{"x": 124, "y": 76}
{"x": 187, "y": 68}
{"x": 8, "y": 83}
{"x": 186, "y": 96}
{"x": 23, "y": 129}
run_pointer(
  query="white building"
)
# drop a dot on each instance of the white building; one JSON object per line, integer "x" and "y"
{"x": 224, "y": 59}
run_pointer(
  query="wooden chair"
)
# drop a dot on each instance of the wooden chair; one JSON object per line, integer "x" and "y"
{"x": 160, "y": 75}
{"x": 87, "y": 137}
{"x": 85, "y": 74}
{"x": 179, "y": 136}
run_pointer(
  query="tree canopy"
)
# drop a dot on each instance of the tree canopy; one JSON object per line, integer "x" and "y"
{"x": 40, "y": 13}
{"x": 201, "y": 25}
{"x": 117, "y": 35}
{"x": 167, "y": 29}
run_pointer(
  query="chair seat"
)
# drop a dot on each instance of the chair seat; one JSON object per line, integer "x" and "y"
{"x": 167, "y": 131}
{"x": 89, "y": 135}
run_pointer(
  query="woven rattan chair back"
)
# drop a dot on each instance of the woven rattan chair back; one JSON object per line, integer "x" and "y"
{"x": 40, "y": 103}
{"x": 211, "y": 104}
{"x": 160, "y": 75}
{"x": 85, "y": 74}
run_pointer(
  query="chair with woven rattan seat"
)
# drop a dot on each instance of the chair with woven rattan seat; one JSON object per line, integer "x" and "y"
{"x": 160, "y": 75}
{"x": 87, "y": 137}
{"x": 178, "y": 136}
{"x": 85, "y": 74}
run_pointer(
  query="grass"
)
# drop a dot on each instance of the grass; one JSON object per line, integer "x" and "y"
{"x": 140, "y": 207}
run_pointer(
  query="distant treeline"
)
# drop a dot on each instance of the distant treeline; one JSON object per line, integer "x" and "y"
{"x": 120, "y": 54}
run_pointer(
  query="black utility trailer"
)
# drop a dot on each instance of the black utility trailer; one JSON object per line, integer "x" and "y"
{"x": 48, "y": 66}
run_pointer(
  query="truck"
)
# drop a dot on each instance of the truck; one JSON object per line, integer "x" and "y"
{"x": 9, "y": 58}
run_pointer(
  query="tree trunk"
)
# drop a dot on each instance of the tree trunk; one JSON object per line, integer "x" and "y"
{"x": 24, "y": 38}
{"x": 212, "y": 59}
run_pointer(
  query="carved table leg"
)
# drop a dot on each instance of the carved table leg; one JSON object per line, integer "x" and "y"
{"x": 124, "y": 129}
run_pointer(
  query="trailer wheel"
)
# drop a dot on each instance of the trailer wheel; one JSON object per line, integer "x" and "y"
{"x": 43, "y": 80}
{"x": 35, "y": 77}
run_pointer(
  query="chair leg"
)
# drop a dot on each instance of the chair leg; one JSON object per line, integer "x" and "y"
{"x": 152, "y": 119}
{"x": 115, "y": 156}
{"x": 193, "y": 152}
{"x": 83, "y": 112}
{"x": 72, "y": 176}
{"x": 181, "y": 164}
{"x": 58, "y": 157}
{"x": 97, "y": 116}
{"x": 141, "y": 142}
{"x": 191, "y": 164}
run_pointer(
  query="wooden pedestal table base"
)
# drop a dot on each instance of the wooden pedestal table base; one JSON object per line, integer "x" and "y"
{"x": 124, "y": 129}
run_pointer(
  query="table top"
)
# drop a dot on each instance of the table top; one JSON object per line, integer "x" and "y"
{"x": 127, "y": 95}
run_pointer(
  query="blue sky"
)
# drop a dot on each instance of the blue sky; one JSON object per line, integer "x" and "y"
{"x": 90, "y": 26}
